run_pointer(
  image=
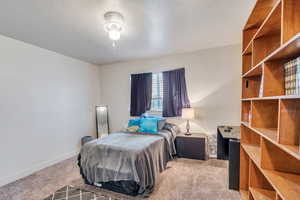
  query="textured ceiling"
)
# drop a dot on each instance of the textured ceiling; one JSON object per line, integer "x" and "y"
{"x": 152, "y": 27}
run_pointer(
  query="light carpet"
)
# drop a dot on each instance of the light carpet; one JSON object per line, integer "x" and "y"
{"x": 184, "y": 179}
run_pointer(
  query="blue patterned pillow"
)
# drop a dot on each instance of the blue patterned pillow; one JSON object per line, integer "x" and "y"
{"x": 134, "y": 122}
{"x": 148, "y": 125}
{"x": 161, "y": 120}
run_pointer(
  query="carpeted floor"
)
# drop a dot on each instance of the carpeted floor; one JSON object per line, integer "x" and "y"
{"x": 183, "y": 180}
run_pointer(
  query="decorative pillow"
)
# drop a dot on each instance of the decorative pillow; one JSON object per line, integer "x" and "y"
{"x": 161, "y": 123}
{"x": 148, "y": 125}
{"x": 133, "y": 129}
{"x": 134, "y": 122}
{"x": 161, "y": 120}
{"x": 172, "y": 127}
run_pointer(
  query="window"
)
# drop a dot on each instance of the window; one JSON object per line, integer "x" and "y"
{"x": 157, "y": 92}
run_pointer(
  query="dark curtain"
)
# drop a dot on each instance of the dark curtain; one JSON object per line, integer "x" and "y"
{"x": 175, "y": 93}
{"x": 141, "y": 93}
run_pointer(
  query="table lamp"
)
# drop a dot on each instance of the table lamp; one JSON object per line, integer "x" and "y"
{"x": 188, "y": 114}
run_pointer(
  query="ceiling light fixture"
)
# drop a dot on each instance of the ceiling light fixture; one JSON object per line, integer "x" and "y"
{"x": 114, "y": 22}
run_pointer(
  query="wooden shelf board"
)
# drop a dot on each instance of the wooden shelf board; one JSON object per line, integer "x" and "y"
{"x": 286, "y": 184}
{"x": 253, "y": 152}
{"x": 262, "y": 194}
{"x": 268, "y": 133}
{"x": 254, "y": 72}
{"x": 244, "y": 194}
{"x": 248, "y": 49}
{"x": 288, "y": 50}
{"x": 273, "y": 97}
{"x": 247, "y": 124}
{"x": 255, "y": 68}
{"x": 271, "y": 135}
{"x": 294, "y": 150}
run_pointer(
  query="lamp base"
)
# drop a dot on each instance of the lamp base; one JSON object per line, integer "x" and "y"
{"x": 188, "y": 134}
{"x": 188, "y": 128}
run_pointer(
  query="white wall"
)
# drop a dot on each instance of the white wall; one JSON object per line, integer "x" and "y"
{"x": 213, "y": 82}
{"x": 47, "y": 103}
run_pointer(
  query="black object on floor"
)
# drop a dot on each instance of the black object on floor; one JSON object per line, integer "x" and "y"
{"x": 225, "y": 133}
{"x": 234, "y": 164}
{"x": 125, "y": 187}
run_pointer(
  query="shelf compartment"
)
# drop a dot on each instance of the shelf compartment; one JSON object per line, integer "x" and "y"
{"x": 255, "y": 71}
{"x": 263, "y": 46}
{"x": 268, "y": 37}
{"x": 282, "y": 170}
{"x": 247, "y": 62}
{"x": 289, "y": 124}
{"x": 291, "y": 16}
{"x": 248, "y": 35}
{"x": 265, "y": 114}
{"x": 271, "y": 135}
{"x": 268, "y": 133}
{"x": 253, "y": 151}
{"x": 247, "y": 59}
{"x": 282, "y": 162}
{"x": 244, "y": 172}
{"x": 246, "y": 111}
{"x": 290, "y": 49}
{"x": 274, "y": 80}
{"x": 262, "y": 194}
{"x": 287, "y": 51}
{"x": 260, "y": 12}
{"x": 250, "y": 141}
{"x": 286, "y": 184}
{"x": 249, "y": 137}
{"x": 259, "y": 186}
{"x": 248, "y": 49}
{"x": 251, "y": 86}
{"x": 258, "y": 15}
{"x": 272, "y": 23}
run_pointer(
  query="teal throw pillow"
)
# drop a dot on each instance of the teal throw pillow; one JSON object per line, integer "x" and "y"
{"x": 134, "y": 122}
{"x": 148, "y": 125}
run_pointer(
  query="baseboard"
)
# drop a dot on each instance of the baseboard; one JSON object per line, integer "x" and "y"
{"x": 35, "y": 168}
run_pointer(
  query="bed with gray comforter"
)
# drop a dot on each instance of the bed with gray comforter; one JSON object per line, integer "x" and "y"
{"x": 127, "y": 158}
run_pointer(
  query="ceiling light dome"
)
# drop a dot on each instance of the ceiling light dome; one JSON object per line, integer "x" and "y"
{"x": 114, "y": 22}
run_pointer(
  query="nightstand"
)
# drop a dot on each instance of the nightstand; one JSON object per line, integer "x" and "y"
{"x": 193, "y": 146}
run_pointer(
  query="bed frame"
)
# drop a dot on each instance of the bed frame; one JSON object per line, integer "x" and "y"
{"x": 125, "y": 187}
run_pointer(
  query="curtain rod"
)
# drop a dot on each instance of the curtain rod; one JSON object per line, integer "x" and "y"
{"x": 155, "y": 72}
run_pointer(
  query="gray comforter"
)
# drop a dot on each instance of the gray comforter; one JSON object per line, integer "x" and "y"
{"x": 128, "y": 156}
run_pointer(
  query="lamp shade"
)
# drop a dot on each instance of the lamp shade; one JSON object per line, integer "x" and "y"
{"x": 188, "y": 113}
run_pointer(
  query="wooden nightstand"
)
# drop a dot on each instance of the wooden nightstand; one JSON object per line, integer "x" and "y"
{"x": 193, "y": 146}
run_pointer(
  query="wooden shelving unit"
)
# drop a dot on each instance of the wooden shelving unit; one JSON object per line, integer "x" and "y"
{"x": 270, "y": 119}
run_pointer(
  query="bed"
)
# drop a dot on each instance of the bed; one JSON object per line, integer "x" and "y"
{"x": 128, "y": 162}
